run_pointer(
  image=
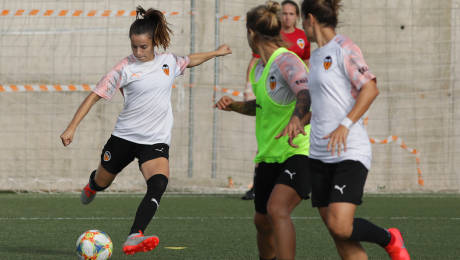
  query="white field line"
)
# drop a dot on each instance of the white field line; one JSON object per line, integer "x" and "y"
{"x": 201, "y": 195}
{"x": 209, "y": 218}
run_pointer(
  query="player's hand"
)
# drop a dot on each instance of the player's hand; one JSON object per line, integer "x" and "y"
{"x": 337, "y": 140}
{"x": 293, "y": 128}
{"x": 223, "y": 50}
{"x": 224, "y": 103}
{"x": 67, "y": 136}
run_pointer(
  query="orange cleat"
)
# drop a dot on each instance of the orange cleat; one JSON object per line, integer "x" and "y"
{"x": 396, "y": 248}
{"x": 137, "y": 242}
{"x": 87, "y": 195}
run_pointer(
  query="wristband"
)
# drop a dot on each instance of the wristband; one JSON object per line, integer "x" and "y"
{"x": 347, "y": 123}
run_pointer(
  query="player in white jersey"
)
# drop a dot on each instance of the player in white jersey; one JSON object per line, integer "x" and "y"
{"x": 143, "y": 128}
{"x": 342, "y": 90}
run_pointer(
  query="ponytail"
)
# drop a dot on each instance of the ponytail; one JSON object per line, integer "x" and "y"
{"x": 153, "y": 23}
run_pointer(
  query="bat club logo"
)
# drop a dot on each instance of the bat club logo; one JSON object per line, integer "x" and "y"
{"x": 272, "y": 82}
{"x": 107, "y": 156}
{"x": 166, "y": 69}
{"x": 327, "y": 62}
{"x": 301, "y": 43}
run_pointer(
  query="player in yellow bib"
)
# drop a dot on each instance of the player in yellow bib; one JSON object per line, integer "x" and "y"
{"x": 279, "y": 81}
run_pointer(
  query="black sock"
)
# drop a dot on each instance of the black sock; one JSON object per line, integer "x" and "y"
{"x": 93, "y": 185}
{"x": 364, "y": 230}
{"x": 156, "y": 186}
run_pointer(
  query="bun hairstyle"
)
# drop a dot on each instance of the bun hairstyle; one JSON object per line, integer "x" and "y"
{"x": 153, "y": 23}
{"x": 265, "y": 22}
{"x": 325, "y": 11}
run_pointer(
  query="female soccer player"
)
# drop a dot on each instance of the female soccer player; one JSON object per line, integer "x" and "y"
{"x": 282, "y": 101}
{"x": 143, "y": 128}
{"x": 296, "y": 42}
{"x": 342, "y": 89}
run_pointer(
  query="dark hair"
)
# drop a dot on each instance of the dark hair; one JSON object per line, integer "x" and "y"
{"x": 153, "y": 23}
{"x": 265, "y": 21}
{"x": 325, "y": 11}
{"x": 285, "y": 2}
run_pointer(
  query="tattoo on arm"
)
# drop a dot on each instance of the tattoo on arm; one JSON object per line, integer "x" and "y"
{"x": 245, "y": 108}
{"x": 302, "y": 106}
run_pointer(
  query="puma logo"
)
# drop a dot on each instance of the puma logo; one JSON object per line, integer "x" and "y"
{"x": 159, "y": 150}
{"x": 155, "y": 201}
{"x": 291, "y": 174}
{"x": 340, "y": 188}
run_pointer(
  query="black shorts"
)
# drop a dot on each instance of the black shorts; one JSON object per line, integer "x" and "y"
{"x": 118, "y": 153}
{"x": 293, "y": 172}
{"x": 337, "y": 182}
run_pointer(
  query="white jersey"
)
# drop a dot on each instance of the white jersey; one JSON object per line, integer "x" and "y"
{"x": 287, "y": 77}
{"x": 337, "y": 73}
{"x": 146, "y": 87}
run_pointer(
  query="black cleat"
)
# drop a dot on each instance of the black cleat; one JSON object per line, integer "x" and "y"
{"x": 249, "y": 195}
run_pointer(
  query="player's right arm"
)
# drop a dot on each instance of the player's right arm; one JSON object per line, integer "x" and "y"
{"x": 105, "y": 88}
{"x": 90, "y": 100}
{"x": 226, "y": 103}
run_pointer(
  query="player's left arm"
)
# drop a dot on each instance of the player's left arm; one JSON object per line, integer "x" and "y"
{"x": 338, "y": 137}
{"x": 299, "y": 118}
{"x": 364, "y": 89}
{"x": 198, "y": 58}
{"x": 296, "y": 76}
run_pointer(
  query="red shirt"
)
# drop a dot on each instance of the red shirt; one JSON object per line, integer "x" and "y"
{"x": 297, "y": 43}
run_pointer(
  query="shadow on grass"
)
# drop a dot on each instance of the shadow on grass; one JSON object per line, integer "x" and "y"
{"x": 30, "y": 250}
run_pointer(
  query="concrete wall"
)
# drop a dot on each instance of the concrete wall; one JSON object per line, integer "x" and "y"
{"x": 410, "y": 45}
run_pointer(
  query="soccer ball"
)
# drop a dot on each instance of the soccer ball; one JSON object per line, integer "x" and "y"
{"x": 94, "y": 245}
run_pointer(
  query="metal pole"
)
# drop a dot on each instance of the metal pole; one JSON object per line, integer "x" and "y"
{"x": 214, "y": 94}
{"x": 190, "y": 97}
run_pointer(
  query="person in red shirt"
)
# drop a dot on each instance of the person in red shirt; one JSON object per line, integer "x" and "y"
{"x": 296, "y": 41}
{"x": 294, "y": 37}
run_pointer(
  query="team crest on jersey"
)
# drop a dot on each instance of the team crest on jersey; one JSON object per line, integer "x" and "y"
{"x": 327, "y": 62}
{"x": 166, "y": 69}
{"x": 107, "y": 156}
{"x": 301, "y": 43}
{"x": 272, "y": 82}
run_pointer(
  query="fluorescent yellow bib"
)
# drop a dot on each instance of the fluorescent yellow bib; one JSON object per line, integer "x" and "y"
{"x": 271, "y": 119}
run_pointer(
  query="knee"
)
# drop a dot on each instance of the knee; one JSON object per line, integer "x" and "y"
{"x": 277, "y": 212}
{"x": 339, "y": 230}
{"x": 262, "y": 224}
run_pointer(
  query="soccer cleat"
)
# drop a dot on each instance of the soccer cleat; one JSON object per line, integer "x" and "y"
{"x": 249, "y": 195}
{"x": 396, "y": 248}
{"x": 137, "y": 242}
{"x": 87, "y": 195}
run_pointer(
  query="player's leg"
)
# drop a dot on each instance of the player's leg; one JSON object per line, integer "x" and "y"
{"x": 282, "y": 202}
{"x": 115, "y": 156}
{"x": 156, "y": 174}
{"x": 338, "y": 218}
{"x": 349, "y": 231}
{"x": 264, "y": 182}
{"x": 99, "y": 180}
{"x": 265, "y": 236}
{"x": 348, "y": 186}
{"x": 154, "y": 165}
{"x": 292, "y": 185}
